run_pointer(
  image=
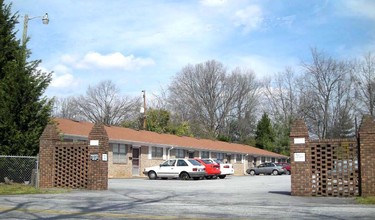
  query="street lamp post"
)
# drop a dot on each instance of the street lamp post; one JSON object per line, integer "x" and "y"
{"x": 143, "y": 110}
{"x": 26, "y": 20}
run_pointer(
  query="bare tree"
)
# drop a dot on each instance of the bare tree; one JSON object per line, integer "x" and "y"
{"x": 103, "y": 103}
{"x": 365, "y": 84}
{"x": 282, "y": 96}
{"x": 320, "y": 89}
{"x": 66, "y": 108}
{"x": 207, "y": 97}
{"x": 241, "y": 121}
{"x": 197, "y": 93}
{"x": 282, "y": 103}
{"x": 344, "y": 105}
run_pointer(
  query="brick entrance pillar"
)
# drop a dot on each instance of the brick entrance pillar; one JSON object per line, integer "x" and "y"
{"x": 366, "y": 156}
{"x": 98, "y": 161}
{"x": 47, "y": 143}
{"x": 300, "y": 154}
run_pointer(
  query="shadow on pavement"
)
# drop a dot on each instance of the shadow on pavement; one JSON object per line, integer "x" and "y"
{"x": 286, "y": 193}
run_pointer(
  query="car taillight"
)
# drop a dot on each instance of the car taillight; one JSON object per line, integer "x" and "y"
{"x": 226, "y": 166}
{"x": 195, "y": 169}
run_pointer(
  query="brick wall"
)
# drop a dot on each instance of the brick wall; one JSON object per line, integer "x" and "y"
{"x": 367, "y": 156}
{"x": 120, "y": 170}
{"x": 333, "y": 166}
{"x": 69, "y": 164}
{"x": 334, "y": 169}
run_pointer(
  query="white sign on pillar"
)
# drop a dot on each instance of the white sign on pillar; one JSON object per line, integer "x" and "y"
{"x": 299, "y": 140}
{"x": 299, "y": 157}
{"x": 94, "y": 142}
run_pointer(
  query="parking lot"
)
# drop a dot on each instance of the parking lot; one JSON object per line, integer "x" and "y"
{"x": 235, "y": 197}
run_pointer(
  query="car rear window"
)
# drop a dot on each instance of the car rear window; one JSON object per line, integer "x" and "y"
{"x": 195, "y": 163}
{"x": 207, "y": 161}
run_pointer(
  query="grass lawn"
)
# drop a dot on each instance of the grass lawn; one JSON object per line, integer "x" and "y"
{"x": 370, "y": 200}
{"x": 16, "y": 189}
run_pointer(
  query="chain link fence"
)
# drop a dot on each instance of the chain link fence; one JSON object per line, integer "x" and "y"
{"x": 19, "y": 169}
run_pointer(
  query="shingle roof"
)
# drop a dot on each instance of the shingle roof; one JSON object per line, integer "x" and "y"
{"x": 80, "y": 128}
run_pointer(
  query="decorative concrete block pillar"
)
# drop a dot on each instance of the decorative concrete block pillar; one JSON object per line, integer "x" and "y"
{"x": 300, "y": 154}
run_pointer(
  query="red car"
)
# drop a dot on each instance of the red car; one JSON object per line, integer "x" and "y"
{"x": 286, "y": 167}
{"x": 212, "y": 168}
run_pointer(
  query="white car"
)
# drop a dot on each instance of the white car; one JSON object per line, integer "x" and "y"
{"x": 177, "y": 168}
{"x": 225, "y": 168}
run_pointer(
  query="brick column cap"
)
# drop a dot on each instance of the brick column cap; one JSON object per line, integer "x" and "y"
{"x": 50, "y": 132}
{"x": 298, "y": 129}
{"x": 367, "y": 125}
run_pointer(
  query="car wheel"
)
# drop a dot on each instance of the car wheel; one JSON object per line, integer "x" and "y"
{"x": 275, "y": 172}
{"x": 222, "y": 176}
{"x": 288, "y": 172}
{"x": 152, "y": 175}
{"x": 252, "y": 172}
{"x": 184, "y": 176}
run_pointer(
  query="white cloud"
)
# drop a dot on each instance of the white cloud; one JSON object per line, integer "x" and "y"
{"x": 249, "y": 18}
{"x": 68, "y": 59}
{"x": 362, "y": 7}
{"x": 213, "y": 3}
{"x": 62, "y": 78}
{"x": 265, "y": 66}
{"x": 111, "y": 61}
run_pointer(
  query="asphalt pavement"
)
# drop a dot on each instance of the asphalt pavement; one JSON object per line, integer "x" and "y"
{"x": 235, "y": 197}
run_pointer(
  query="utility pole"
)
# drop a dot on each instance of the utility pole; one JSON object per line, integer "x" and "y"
{"x": 45, "y": 20}
{"x": 144, "y": 109}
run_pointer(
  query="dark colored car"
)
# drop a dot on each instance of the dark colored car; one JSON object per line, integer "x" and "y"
{"x": 267, "y": 169}
{"x": 212, "y": 168}
{"x": 286, "y": 167}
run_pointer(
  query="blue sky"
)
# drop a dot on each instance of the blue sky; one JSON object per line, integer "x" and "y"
{"x": 141, "y": 45}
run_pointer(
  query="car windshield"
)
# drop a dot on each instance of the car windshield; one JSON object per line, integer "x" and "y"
{"x": 195, "y": 163}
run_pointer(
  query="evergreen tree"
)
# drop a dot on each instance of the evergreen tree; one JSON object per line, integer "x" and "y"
{"x": 265, "y": 136}
{"x": 23, "y": 111}
{"x": 281, "y": 143}
{"x": 157, "y": 120}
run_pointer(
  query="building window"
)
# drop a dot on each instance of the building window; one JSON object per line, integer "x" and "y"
{"x": 238, "y": 158}
{"x": 263, "y": 159}
{"x": 220, "y": 156}
{"x": 205, "y": 154}
{"x": 180, "y": 153}
{"x": 119, "y": 153}
{"x": 157, "y": 152}
{"x": 273, "y": 160}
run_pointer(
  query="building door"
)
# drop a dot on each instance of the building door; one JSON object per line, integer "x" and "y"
{"x": 135, "y": 162}
{"x": 191, "y": 154}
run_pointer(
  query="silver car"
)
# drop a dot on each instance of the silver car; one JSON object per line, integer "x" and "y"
{"x": 266, "y": 169}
